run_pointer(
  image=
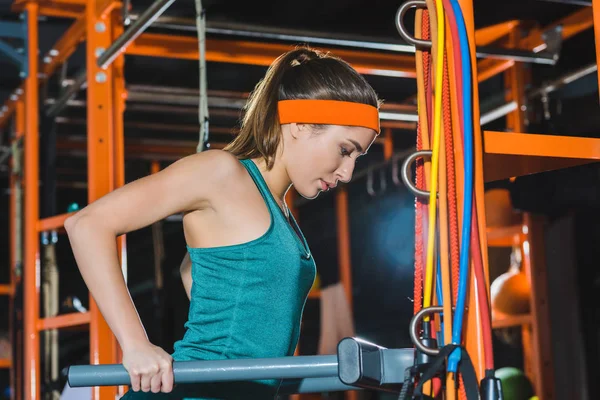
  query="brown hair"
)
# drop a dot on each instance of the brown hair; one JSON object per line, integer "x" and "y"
{"x": 302, "y": 73}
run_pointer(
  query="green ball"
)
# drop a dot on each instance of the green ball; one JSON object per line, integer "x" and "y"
{"x": 515, "y": 385}
{"x": 73, "y": 207}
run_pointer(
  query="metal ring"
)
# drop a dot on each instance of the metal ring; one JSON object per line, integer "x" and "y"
{"x": 406, "y": 173}
{"x": 418, "y": 43}
{"x": 414, "y": 331}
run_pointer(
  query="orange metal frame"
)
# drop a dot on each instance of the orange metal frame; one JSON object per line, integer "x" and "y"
{"x": 498, "y": 154}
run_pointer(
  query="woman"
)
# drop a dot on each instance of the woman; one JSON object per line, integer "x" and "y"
{"x": 305, "y": 124}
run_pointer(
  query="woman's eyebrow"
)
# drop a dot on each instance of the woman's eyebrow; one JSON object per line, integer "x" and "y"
{"x": 357, "y": 145}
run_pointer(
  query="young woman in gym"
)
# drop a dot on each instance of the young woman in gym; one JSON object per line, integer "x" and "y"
{"x": 250, "y": 268}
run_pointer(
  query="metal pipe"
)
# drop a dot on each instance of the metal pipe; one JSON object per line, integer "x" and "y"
{"x": 499, "y": 112}
{"x": 215, "y": 370}
{"x": 108, "y": 56}
{"x": 564, "y": 80}
{"x": 71, "y": 91}
{"x": 137, "y": 28}
{"x": 517, "y": 55}
{"x": 259, "y": 32}
{"x": 188, "y": 97}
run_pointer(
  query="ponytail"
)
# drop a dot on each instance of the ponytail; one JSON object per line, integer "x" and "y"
{"x": 302, "y": 73}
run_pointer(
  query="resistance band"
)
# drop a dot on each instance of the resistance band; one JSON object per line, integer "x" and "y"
{"x": 439, "y": 66}
{"x": 420, "y": 32}
{"x": 475, "y": 237}
{"x": 455, "y": 356}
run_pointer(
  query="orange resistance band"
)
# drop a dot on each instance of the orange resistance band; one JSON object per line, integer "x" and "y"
{"x": 329, "y": 112}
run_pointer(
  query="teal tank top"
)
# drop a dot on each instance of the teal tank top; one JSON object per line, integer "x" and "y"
{"x": 247, "y": 301}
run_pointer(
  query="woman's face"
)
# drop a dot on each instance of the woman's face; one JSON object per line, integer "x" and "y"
{"x": 317, "y": 158}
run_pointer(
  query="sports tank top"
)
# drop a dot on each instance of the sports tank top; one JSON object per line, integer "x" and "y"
{"x": 246, "y": 301}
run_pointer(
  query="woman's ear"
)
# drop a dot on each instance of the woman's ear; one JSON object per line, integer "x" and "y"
{"x": 297, "y": 129}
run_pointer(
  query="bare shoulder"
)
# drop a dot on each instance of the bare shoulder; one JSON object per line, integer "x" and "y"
{"x": 196, "y": 182}
{"x": 217, "y": 166}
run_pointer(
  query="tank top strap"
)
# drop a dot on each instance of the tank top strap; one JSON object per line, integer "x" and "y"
{"x": 262, "y": 186}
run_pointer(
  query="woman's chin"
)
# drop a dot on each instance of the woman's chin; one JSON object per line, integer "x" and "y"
{"x": 309, "y": 195}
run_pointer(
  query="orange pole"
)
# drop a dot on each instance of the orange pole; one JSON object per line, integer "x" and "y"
{"x": 343, "y": 239}
{"x": 344, "y": 253}
{"x": 101, "y": 118}
{"x": 473, "y": 337}
{"x": 388, "y": 144}
{"x": 31, "y": 270}
{"x": 119, "y": 98}
{"x": 154, "y": 167}
{"x": 515, "y": 85}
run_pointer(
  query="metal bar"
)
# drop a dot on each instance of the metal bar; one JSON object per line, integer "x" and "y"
{"x": 491, "y": 33}
{"x": 31, "y": 284}
{"x": 517, "y": 55}
{"x": 52, "y": 223}
{"x": 215, "y": 370}
{"x": 515, "y": 89}
{"x": 63, "y": 321}
{"x": 11, "y": 53}
{"x": 263, "y": 54}
{"x": 571, "y": 25}
{"x": 296, "y": 36}
{"x": 499, "y": 112}
{"x": 115, "y": 49}
{"x": 71, "y": 91}
{"x": 564, "y": 80}
{"x": 64, "y": 47}
{"x": 137, "y": 28}
{"x": 101, "y": 112}
{"x": 345, "y": 365}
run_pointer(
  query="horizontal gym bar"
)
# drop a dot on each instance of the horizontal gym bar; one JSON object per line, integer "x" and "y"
{"x": 288, "y": 35}
{"x": 215, "y": 370}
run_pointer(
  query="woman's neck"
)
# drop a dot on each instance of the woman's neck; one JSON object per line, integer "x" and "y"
{"x": 277, "y": 180}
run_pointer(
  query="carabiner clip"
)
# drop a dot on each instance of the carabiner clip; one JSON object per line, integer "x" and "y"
{"x": 414, "y": 329}
{"x": 418, "y": 43}
{"x": 406, "y": 173}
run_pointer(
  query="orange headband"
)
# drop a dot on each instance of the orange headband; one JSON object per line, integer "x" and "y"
{"x": 330, "y": 112}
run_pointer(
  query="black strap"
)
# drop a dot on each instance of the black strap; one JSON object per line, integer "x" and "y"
{"x": 410, "y": 375}
{"x": 465, "y": 367}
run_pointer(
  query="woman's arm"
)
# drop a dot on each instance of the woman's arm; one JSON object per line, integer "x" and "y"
{"x": 93, "y": 230}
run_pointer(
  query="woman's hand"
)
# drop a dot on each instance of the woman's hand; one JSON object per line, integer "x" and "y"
{"x": 150, "y": 368}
